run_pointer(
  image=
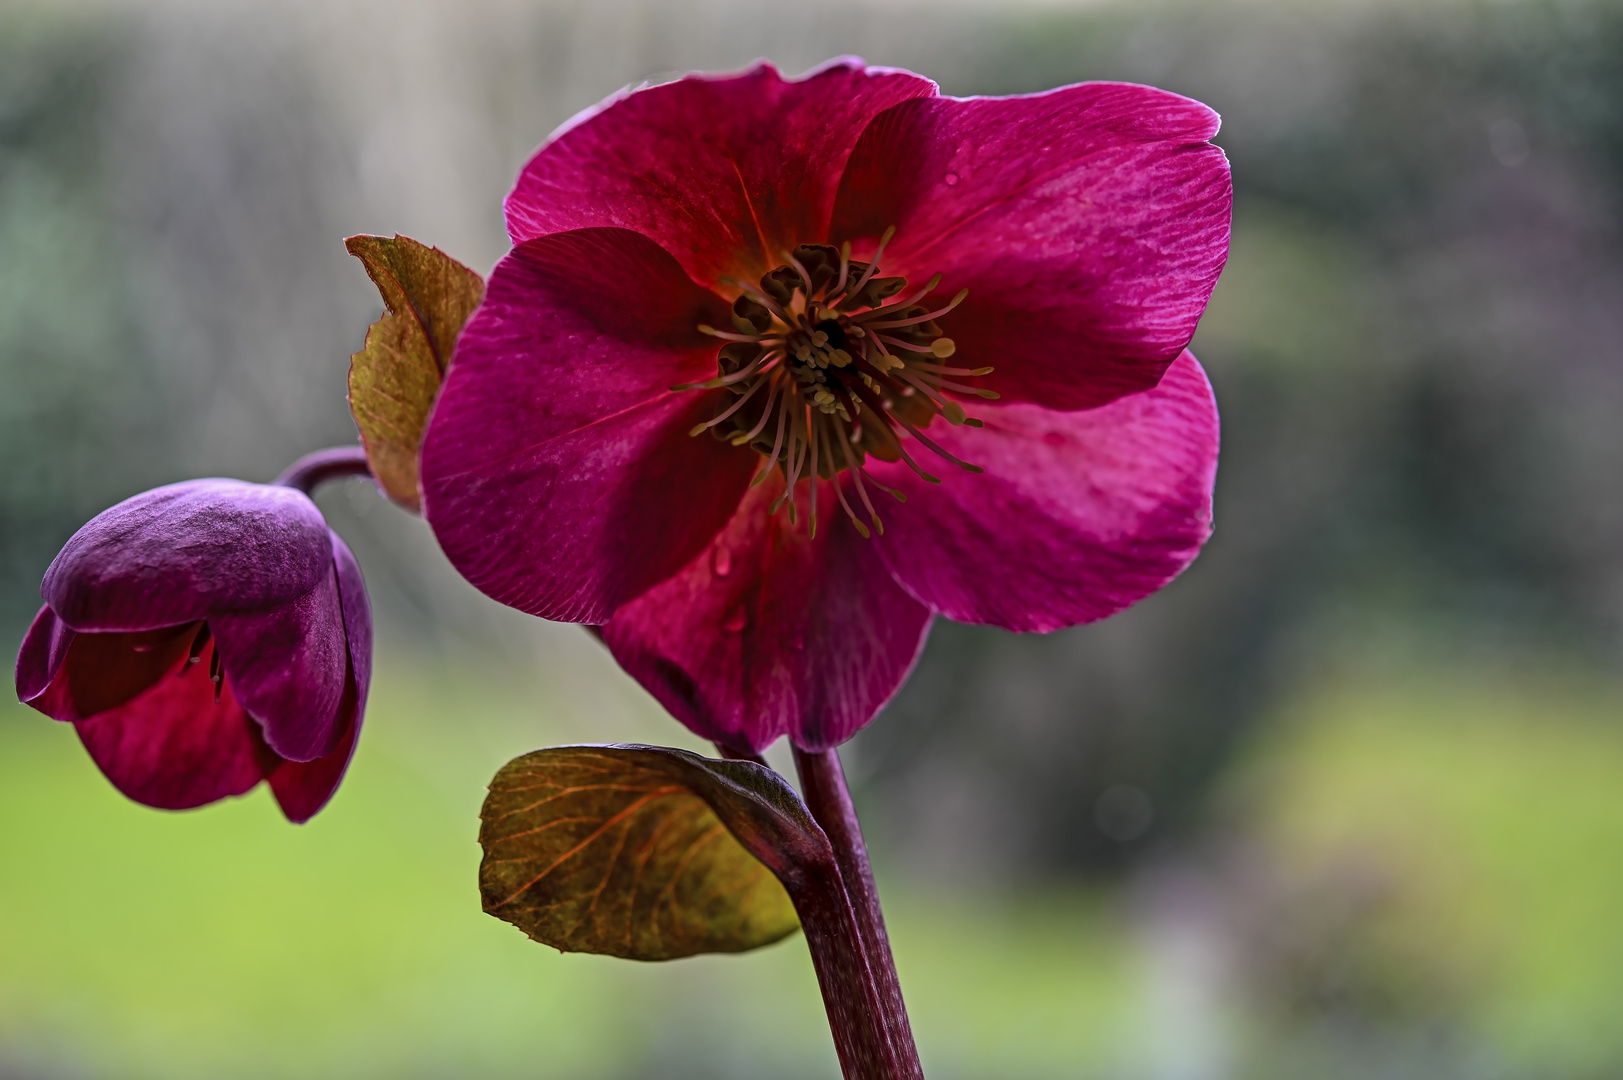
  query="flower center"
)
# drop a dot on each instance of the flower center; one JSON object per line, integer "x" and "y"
{"x": 828, "y": 363}
{"x": 195, "y": 655}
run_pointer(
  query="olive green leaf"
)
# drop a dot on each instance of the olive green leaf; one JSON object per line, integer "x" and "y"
{"x": 640, "y": 851}
{"x": 394, "y": 379}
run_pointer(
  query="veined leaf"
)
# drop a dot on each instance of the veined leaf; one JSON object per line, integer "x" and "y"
{"x": 395, "y": 378}
{"x": 640, "y": 851}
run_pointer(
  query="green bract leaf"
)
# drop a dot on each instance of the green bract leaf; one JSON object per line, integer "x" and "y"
{"x": 393, "y": 380}
{"x": 642, "y": 852}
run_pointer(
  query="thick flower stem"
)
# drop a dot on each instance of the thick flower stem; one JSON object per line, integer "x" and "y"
{"x": 315, "y": 469}
{"x": 855, "y": 1018}
{"x": 832, "y": 921}
{"x": 823, "y": 784}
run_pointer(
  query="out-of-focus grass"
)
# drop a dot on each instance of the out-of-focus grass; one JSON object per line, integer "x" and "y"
{"x": 1440, "y": 852}
{"x": 1469, "y": 826}
{"x": 225, "y": 942}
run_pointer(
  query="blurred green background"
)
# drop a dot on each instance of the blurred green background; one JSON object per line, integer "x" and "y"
{"x": 1346, "y": 800}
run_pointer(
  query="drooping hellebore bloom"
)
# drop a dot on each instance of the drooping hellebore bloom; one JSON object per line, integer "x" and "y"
{"x": 203, "y": 637}
{"x": 777, "y": 368}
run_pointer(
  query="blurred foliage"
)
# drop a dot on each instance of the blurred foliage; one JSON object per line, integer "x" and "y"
{"x": 1426, "y": 859}
{"x": 81, "y": 416}
{"x": 1418, "y": 355}
{"x": 1338, "y": 802}
{"x": 1413, "y": 880}
{"x": 225, "y": 943}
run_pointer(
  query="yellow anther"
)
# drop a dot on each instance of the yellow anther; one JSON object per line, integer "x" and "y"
{"x": 942, "y": 347}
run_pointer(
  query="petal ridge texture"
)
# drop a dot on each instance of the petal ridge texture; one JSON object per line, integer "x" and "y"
{"x": 560, "y": 471}
{"x": 202, "y": 637}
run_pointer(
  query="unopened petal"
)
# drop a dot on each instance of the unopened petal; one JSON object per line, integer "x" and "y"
{"x": 302, "y": 788}
{"x": 175, "y": 746}
{"x": 288, "y": 669}
{"x": 357, "y": 608}
{"x": 43, "y": 651}
{"x": 180, "y": 553}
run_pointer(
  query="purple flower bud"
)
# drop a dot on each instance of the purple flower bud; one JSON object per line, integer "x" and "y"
{"x": 202, "y": 637}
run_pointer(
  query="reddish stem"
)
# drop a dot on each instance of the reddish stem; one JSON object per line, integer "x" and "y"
{"x": 314, "y": 469}
{"x": 822, "y": 781}
{"x": 832, "y": 922}
{"x": 855, "y": 1017}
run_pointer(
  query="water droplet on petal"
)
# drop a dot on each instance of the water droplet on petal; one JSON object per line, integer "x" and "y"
{"x": 952, "y": 179}
{"x": 721, "y": 561}
{"x": 736, "y": 621}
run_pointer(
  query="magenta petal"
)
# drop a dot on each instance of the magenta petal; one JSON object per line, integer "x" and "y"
{"x": 183, "y": 552}
{"x": 175, "y": 747}
{"x": 1078, "y": 514}
{"x": 304, "y": 787}
{"x": 357, "y": 619}
{"x": 73, "y": 676}
{"x": 769, "y": 632}
{"x": 557, "y": 472}
{"x": 288, "y": 667}
{"x": 44, "y": 648}
{"x": 1088, "y": 223}
{"x": 723, "y": 172}
{"x": 573, "y": 328}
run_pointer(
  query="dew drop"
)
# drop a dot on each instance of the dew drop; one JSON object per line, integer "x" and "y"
{"x": 952, "y": 179}
{"x": 736, "y": 621}
{"x": 721, "y": 561}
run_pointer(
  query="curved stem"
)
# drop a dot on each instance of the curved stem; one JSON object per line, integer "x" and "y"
{"x": 315, "y": 469}
{"x": 858, "y": 1015}
{"x": 856, "y": 1018}
{"x": 823, "y": 783}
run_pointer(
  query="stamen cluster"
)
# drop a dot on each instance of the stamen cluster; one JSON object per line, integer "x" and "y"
{"x": 828, "y": 368}
{"x": 194, "y": 656}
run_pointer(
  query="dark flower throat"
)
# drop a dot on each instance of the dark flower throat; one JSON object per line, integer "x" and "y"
{"x": 827, "y": 368}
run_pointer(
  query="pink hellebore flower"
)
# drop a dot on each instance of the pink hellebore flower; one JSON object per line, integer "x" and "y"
{"x": 778, "y": 368}
{"x": 203, "y": 637}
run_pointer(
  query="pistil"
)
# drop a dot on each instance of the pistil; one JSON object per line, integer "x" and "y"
{"x": 848, "y": 369}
